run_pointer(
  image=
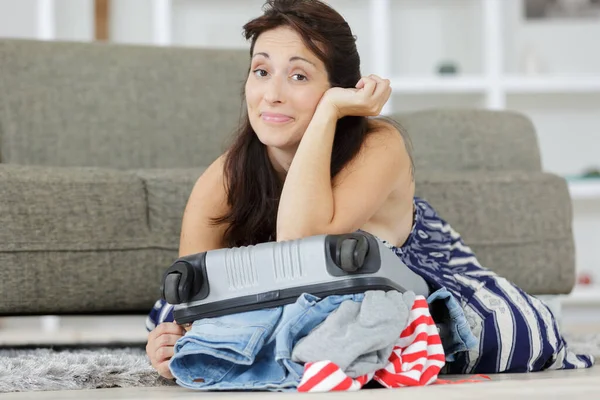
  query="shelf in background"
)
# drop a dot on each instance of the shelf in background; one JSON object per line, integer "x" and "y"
{"x": 551, "y": 84}
{"x": 441, "y": 84}
{"x": 508, "y": 84}
{"x": 584, "y": 188}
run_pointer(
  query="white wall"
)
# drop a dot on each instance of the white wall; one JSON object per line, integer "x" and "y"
{"x": 131, "y": 21}
{"x": 202, "y": 23}
{"x": 75, "y": 19}
{"x": 17, "y": 19}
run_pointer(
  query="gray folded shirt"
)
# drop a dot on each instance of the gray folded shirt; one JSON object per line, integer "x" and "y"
{"x": 359, "y": 336}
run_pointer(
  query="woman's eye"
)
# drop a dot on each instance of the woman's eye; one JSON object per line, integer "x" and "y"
{"x": 260, "y": 72}
{"x": 299, "y": 77}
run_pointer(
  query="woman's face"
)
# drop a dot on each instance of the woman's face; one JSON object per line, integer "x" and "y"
{"x": 285, "y": 84}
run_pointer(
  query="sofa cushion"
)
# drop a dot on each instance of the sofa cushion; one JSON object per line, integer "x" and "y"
{"x": 116, "y": 105}
{"x": 168, "y": 191}
{"x": 63, "y": 209}
{"x": 518, "y": 224}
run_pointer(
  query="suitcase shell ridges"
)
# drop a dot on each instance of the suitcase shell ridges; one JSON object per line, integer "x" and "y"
{"x": 286, "y": 262}
{"x": 240, "y": 268}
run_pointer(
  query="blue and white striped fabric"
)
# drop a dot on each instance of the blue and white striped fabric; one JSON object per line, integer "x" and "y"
{"x": 161, "y": 312}
{"x": 516, "y": 331}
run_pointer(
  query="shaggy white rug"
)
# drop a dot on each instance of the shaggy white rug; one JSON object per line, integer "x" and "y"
{"x": 102, "y": 367}
{"x": 48, "y": 369}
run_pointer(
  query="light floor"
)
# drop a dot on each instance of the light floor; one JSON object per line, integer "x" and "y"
{"x": 543, "y": 385}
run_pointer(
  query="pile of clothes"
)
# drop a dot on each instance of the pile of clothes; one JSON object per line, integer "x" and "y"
{"x": 340, "y": 342}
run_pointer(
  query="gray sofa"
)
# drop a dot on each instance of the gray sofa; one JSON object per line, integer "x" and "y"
{"x": 100, "y": 145}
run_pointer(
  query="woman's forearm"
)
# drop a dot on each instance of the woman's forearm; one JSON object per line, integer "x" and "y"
{"x": 306, "y": 205}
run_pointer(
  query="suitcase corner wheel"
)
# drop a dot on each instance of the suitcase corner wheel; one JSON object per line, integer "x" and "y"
{"x": 351, "y": 251}
{"x": 184, "y": 280}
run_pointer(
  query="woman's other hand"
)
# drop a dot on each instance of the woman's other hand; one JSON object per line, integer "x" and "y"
{"x": 160, "y": 347}
{"x": 366, "y": 100}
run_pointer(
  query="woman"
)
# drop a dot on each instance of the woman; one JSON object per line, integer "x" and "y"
{"x": 308, "y": 160}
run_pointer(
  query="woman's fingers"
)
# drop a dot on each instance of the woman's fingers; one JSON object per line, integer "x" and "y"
{"x": 166, "y": 328}
{"x": 380, "y": 94}
{"x": 166, "y": 334}
{"x": 386, "y": 91}
{"x": 164, "y": 353}
{"x": 374, "y": 92}
{"x": 163, "y": 370}
{"x": 382, "y": 85}
{"x": 160, "y": 347}
{"x": 369, "y": 86}
{"x": 168, "y": 339}
{"x": 162, "y": 359}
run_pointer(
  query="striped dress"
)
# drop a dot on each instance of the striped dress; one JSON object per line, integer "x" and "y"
{"x": 516, "y": 332}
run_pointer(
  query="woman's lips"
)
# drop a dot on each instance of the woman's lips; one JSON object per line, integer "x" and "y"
{"x": 275, "y": 118}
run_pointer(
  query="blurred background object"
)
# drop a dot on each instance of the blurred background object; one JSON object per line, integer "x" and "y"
{"x": 101, "y": 19}
{"x": 562, "y": 9}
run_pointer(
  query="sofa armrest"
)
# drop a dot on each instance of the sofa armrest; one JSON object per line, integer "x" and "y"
{"x": 517, "y": 223}
{"x": 472, "y": 139}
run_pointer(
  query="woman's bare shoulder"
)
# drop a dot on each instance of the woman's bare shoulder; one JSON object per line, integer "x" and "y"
{"x": 208, "y": 197}
{"x": 214, "y": 174}
{"x": 385, "y": 126}
{"x": 383, "y": 133}
{"x": 207, "y": 201}
{"x": 388, "y": 132}
{"x": 383, "y": 148}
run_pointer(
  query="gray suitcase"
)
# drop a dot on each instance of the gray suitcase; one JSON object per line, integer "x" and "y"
{"x": 239, "y": 279}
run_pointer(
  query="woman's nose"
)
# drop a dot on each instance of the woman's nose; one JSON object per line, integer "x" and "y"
{"x": 274, "y": 91}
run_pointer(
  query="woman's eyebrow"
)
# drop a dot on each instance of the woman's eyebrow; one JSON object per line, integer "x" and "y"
{"x": 295, "y": 58}
{"x": 302, "y": 59}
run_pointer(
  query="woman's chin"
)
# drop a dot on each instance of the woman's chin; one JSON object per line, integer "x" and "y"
{"x": 277, "y": 142}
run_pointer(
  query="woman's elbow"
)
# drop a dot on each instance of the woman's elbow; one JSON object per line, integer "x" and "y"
{"x": 287, "y": 235}
{"x": 304, "y": 232}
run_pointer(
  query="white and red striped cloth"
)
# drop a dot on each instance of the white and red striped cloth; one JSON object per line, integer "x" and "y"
{"x": 416, "y": 360}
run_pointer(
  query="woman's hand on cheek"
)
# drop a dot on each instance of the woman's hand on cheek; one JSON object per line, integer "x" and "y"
{"x": 366, "y": 100}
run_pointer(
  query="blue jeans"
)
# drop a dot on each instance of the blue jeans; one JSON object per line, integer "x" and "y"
{"x": 454, "y": 329}
{"x": 250, "y": 350}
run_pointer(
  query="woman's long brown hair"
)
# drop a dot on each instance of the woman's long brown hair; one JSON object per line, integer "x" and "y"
{"x": 252, "y": 185}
